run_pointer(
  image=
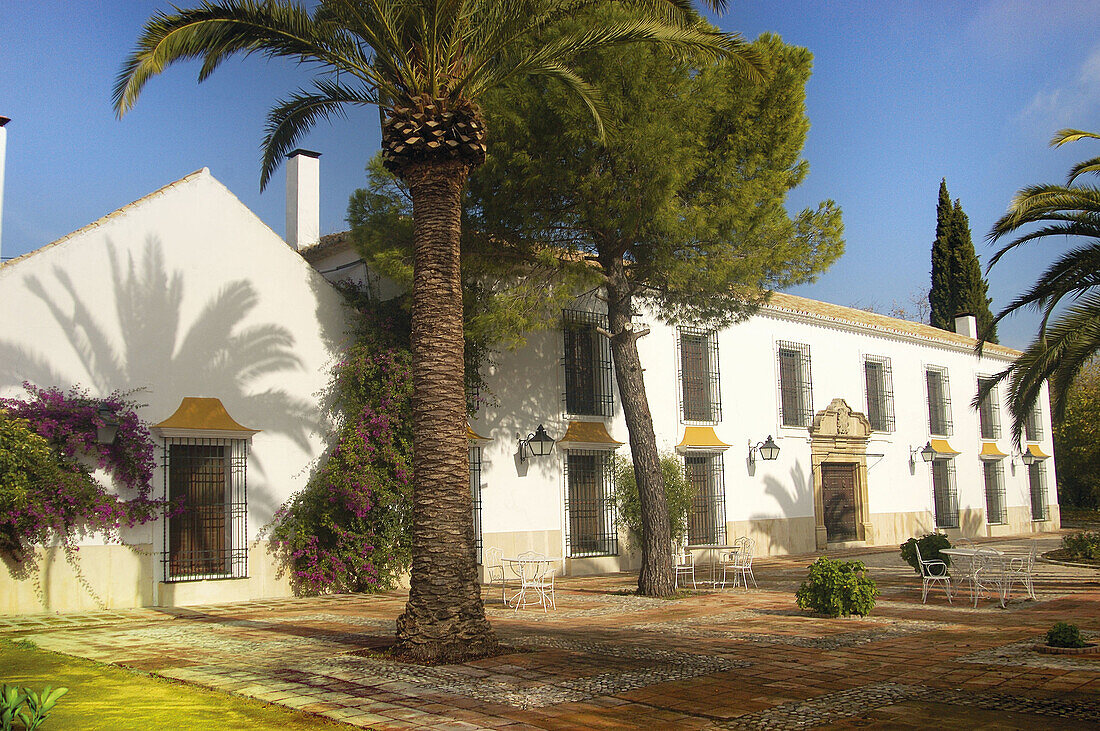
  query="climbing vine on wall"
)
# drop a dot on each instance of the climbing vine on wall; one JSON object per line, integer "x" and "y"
{"x": 348, "y": 529}
{"x": 48, "y": 450}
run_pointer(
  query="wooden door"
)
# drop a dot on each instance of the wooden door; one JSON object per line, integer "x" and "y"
{"x": 838, "y": 497}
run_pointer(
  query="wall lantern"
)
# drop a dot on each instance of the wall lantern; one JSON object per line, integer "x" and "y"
{"x": 106, "y": 434}
{"x": 768, "y": 449}
{"x": 538, "y": 444}
{"x": 1028, "y": 458}
{"x": 927, "y": 453}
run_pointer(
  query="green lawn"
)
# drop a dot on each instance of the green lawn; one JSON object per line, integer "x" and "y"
{"x": 108, "y": 697}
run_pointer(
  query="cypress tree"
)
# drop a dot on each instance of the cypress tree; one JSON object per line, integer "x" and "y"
{"x": 940, "y": 295}
{"x": 971, "y": 289}
{"x": 957, "y": 281}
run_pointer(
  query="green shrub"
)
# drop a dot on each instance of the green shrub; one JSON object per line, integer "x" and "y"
{"x": 37, "y": 706}
{"x": 837, "y": 588}
{"x": 930, "y": 546}
{"x": 1064, "y": 634}
{"x": 1082, "y": 545}
{"x": 678, "y": 495}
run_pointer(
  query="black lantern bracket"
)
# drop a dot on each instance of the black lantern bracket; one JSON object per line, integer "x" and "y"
{"x": 768, "y": 450}
{"x": 537, "y": 444}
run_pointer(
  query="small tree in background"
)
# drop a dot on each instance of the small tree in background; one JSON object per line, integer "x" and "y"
{"x": 678, "y": 496}
{"x": 1077, "y": 441}
{"x": 957, "y": 281}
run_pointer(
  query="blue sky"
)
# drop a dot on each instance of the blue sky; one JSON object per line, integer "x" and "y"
{"x": 903, "y": 94}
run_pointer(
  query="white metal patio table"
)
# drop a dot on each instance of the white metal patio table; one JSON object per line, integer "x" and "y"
{"x": 979, "y": 579}
{"x": 535, "y": 574}
{"x": 714, "y": 553}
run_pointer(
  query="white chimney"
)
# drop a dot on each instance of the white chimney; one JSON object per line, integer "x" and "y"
{"x": 3, "y": 152}
{"x": 966, "y": 324}
{"x": 303, "y": 199}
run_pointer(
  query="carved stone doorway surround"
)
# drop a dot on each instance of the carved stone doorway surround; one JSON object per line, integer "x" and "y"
{"x": 839, "y": 435}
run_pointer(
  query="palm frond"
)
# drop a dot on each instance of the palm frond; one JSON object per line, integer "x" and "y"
{"x": 1059, "y": 356}
{"x": 290, "y": 119}
{"x": 213, "y": 32}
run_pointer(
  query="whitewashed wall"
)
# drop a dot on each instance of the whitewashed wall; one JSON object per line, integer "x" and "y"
{"x": 527, "y": 387}
{"x": 182, "y": 293}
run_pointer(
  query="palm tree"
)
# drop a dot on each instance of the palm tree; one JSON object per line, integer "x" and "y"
{"x": 424, "y": 64}
{"x": 1069, "y": 337}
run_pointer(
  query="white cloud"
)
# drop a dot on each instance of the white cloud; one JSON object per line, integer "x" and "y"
{"x": 1073, "y": 103}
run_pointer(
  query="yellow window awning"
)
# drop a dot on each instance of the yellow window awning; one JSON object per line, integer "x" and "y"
{"x": 701, "y": 438}
{"x": 474, "y": 438}
{"x": 1034, "y": 451}
{"x": 588, "y": 435}
{"x": 942, "y": 448}
{"x": 991, "y": 452}
{"x": 206, "y": 415}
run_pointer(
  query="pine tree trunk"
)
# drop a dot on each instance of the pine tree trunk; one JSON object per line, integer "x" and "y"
{"x": 444, "y": 620}
{"x": 656, "y": 575}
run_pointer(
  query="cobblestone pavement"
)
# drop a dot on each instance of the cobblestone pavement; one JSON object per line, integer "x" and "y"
{"x": 717, "y": 659}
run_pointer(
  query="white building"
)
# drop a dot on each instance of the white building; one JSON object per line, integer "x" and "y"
{"x": 850, "y": 397}
{"x": 231, "y": 334}
{"x": 188, "y": 296}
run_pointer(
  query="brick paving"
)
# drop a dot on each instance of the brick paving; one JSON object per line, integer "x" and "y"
{"x": 716, "y": 659}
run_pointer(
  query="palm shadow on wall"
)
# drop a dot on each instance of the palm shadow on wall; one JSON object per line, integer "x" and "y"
{"x": 791, "y": 497}
{"x": 216, "y": 356}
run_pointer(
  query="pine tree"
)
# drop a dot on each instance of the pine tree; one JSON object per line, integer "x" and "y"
{"x": 957, "y": 282}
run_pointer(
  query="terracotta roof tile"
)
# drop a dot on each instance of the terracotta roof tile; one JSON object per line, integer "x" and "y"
{"x": 780, "y": 302}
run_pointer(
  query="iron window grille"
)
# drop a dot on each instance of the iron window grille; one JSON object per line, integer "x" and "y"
{"x": 205, "y": 526}
{"x": 994, "y": 492}
{"x": 587, "y": 361}
{"x": 795, "y": 385}
{"x": 589, "y": 504}
{"x": 944, "y": 495}
{"x": 989, "y": 412}
{"x": 939, "y": 401}
{"x": 475, "y": 489}
{"x": 707, "y": 516}
{"x": 1033, "y": 425}
{"x": 1037, "y": 477}
{"x": 879, "y": 382}
{"x": 700, "y": 392}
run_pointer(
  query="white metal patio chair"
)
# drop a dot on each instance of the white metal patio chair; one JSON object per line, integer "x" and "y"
{"x": 727, "y": 561}
{"x": 494, "y": 570}
{"x": 536, "y": 586}
{"x": 933, "y": 572}
{"x": 987, "y": 573}
{"x": 741, "y": 563}
{"x": 684, "y": 563}
{"x": 1020, "y": 569}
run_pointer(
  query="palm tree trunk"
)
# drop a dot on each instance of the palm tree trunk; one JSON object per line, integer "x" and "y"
{"x": 444, "y": 620}
{"x": 656, "y": 576}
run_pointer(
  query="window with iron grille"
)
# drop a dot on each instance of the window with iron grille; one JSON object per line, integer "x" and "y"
{"x": 939, "y": 401}
{"x": 989, "y": 411}
{"x": 1037, "y": 477}
{"x": 206, "y": 523}
{"x": 475, "y": 489}
{"x": 700, "y": 396}
{"x": 587, "y": 365}
{"x": 994, "y": 491}
{"x": 707, "y": 517}
{"x": 944, "y": 495}
{"x": 589, "y": 507}
{"x": 880, "y": 392}
{"x": 795, "y": 387}
{"x": 1033, "y": 425}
